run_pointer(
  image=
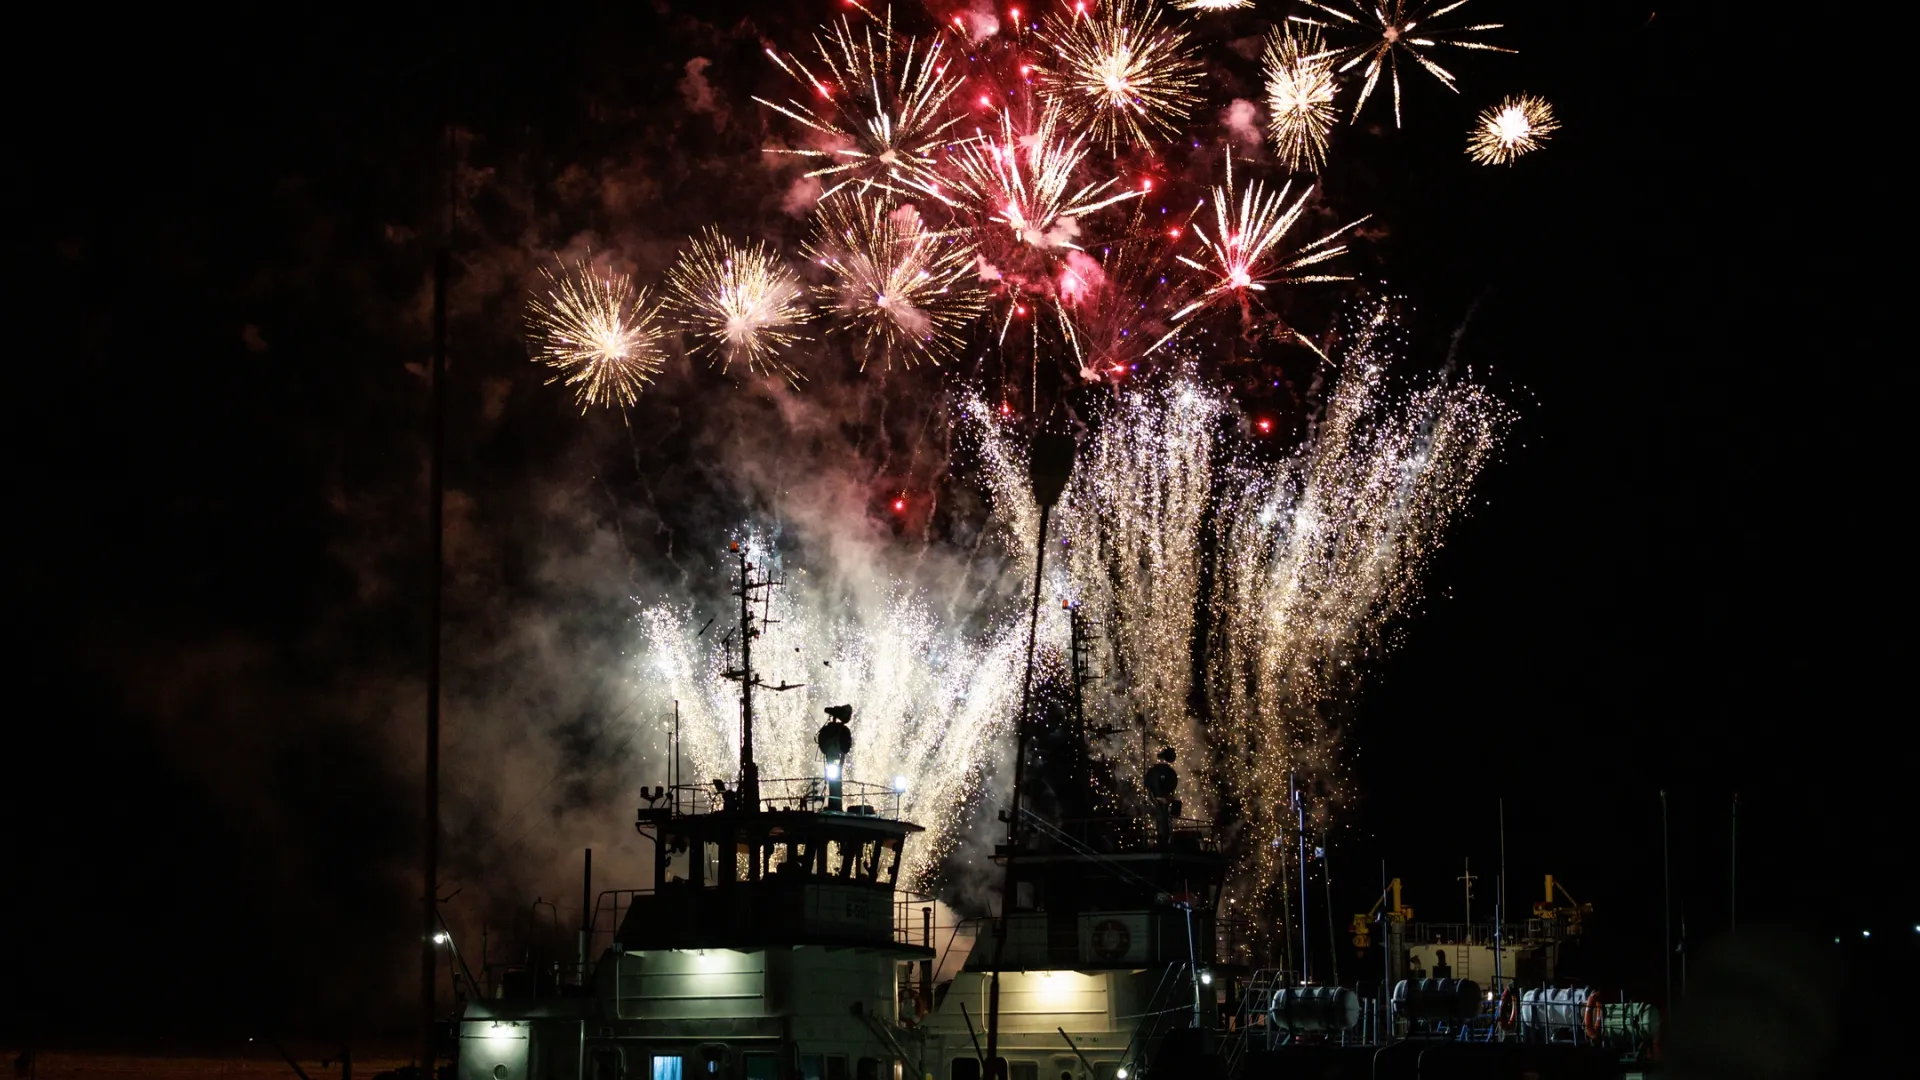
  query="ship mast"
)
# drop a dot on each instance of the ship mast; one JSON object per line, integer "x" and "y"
{"x": 747, "y": 790}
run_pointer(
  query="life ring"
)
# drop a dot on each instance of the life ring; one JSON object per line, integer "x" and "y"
{"x": 1109, "y": 939}
{"x": 1592, "y": 1016}
{"x": 1506, "y": 1012}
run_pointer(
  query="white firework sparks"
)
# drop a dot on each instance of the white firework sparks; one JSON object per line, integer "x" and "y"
{"x": 1310, "y": 558}
{"x": 1245, "y": 250}
{"x": 1391, "y": 29}
{"x": 931, "y": 700}
{"x": 883, "y": 102}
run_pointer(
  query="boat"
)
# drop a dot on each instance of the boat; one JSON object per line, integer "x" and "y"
{"x": 777, "y": 942}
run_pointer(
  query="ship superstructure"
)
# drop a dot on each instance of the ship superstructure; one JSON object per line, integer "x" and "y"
{"x": 766, "y": 948}
{"x": 776, "y": 942}
{"x": 1105, "y": 947}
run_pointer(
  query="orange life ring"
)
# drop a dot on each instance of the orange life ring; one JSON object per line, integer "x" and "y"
{"x": 1506, "y": 1012}
{"x": 1592, "y": 1016}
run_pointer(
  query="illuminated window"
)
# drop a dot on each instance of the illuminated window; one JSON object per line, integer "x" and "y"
{"x": 666, "y": 1068}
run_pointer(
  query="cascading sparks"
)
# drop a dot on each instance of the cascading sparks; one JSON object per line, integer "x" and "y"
{"x": 930, "y": 698}
{"x": 1308, "y": 557}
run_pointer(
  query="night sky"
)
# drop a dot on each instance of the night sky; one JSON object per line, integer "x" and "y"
{"x": 1689, "y": 569}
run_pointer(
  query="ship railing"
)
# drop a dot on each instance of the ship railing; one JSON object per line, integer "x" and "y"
{"x": 1169, "y": 1006}
{"x": 1511, "y": 934}
{"x": 1249, "y": 1020}
{"x": 792, "y": 793}
{"x": 1129, "y": 835}
{"x": 609, "y": 910}
{"x": 913, "y": 919}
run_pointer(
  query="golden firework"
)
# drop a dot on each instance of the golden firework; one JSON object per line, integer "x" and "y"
{"x": 1300, "y": 89}
{"x": 1214, "y": 5}
{"x": 881, "y": 99}
{"x": 1517, "y": 125}
{"x": 601, "y": 337}
{"x": 1117, "y": 73}
{"x": 1390, "y": 29}
{"x": 1246, "y": 250}
{"x": 741, "y": 303}
{"x": 905, "y": 288}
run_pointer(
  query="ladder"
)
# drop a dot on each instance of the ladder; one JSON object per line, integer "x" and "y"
{"x": 1460, "y": 956}
{"x": 1249, "y": 1021}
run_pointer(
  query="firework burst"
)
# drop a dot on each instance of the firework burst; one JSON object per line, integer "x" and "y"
{"x": 1022, "y": 191}
{"x": 907, "y": 290}
{"x": 1118, "y": 75}
{"x": 1300, "y": 89}
{"x": 741, "y": 303}
{"x": 1246, "y": 252}
{"x": 1214, "y": 5}
{"x": 601, "y": 337}
{"x": 1514, "y": 127}
{"x": 1025, "y": 182}
{"x": 1391, "y": 29}
{"x": 882, "y": 101}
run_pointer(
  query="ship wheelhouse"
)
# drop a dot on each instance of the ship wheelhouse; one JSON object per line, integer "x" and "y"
{"x": 768, "y": 949}
{"x": 794, "y": 871}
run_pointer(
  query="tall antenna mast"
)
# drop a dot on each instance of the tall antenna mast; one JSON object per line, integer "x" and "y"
{"x": 436, "y": 556}
{"x": 747, "y": 791}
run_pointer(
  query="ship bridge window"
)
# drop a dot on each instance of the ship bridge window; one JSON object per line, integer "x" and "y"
{"x": 854, "y": 859}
